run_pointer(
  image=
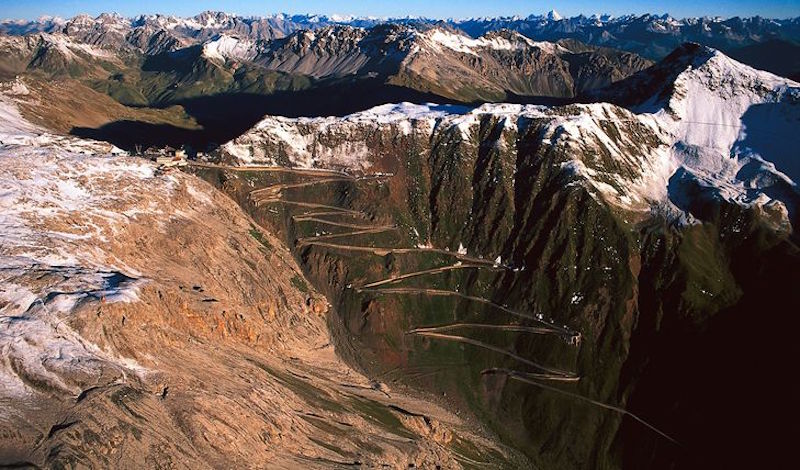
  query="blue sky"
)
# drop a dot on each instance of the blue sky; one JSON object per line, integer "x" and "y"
{"x": 431, "y": 8}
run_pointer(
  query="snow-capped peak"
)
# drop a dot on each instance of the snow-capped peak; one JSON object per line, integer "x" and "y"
{"x": 553, "y": 15}
{"x": 504, "y": 40}
{"x": 733, "y": 128}
{"x": 225, "y": 47}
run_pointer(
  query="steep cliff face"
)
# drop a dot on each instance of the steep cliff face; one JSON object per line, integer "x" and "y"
{"x": 549, "y": 256}
{"x": 542, "y": 267}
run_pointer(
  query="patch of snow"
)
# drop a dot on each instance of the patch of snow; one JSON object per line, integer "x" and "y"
{"x": 12, "y": 125}
{"x": 93, "y": 51}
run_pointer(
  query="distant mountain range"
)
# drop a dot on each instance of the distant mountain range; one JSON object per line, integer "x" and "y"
{"x": 651, "y": 36}
{"x": 158, "y": 61}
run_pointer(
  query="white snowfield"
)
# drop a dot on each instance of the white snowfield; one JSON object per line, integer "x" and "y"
{"x": 225, "y": 47}
{"x": 64, "y": 202}
{"x": 736, "y": 130}
{"x": 466, "y": 45}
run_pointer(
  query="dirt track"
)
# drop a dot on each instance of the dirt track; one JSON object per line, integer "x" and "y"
{"x": 276, "y": 169}
{"x": 522, "y": 378}
{"x": 505, "y": 352}
{"x": 565, "y": 332}
{"x": 425, "y": 272}
{"x": 478, "y": 326}
{"x": 366, "y": 231}
{"x": 383, "y": 251}
{"x": 340, "y": 224}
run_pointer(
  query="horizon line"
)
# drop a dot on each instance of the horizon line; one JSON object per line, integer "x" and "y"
{"x": 340, "y": 18}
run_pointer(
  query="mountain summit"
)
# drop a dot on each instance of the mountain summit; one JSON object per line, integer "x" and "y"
{"x": 553, "y": 15}
{"x": 715, "y": 107}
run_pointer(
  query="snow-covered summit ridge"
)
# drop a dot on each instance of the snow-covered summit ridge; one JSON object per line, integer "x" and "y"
{"x": 509, "y": 41}
{"x": 225, "y": 47}
{"x": 580, "y": 131}
{"x": 733, "y": 129}
{"x": 730, "y": 127}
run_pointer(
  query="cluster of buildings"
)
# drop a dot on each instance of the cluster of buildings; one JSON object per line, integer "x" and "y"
{"x": 166, "y": 157}
{"x": 169, "y": 157}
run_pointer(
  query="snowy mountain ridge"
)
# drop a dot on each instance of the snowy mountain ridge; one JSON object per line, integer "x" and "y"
{"x": 706, "y": 130}
{"x": 732, "y": 129}
{"x": 629, "y": 32}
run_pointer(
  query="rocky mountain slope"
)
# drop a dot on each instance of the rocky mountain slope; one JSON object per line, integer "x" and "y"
{"x": 493, "y": 66}
{"x": 146, "y": 321}
{"x": 551, "y": 269}
{"x": 444, "y": 62}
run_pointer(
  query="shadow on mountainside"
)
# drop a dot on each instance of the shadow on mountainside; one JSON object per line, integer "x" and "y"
{"x": 229, "y": 115}
{"x": 696, "y": 380}
{"x": 770, "y": 130}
